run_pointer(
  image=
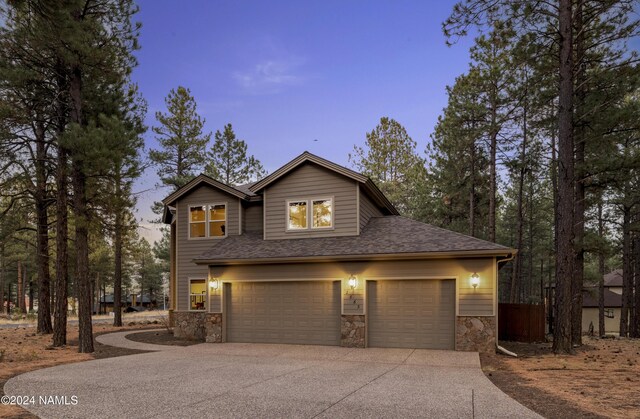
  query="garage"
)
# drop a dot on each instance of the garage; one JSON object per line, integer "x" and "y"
{"x": 283, "y": 312}
{"x": 411, "y": 314}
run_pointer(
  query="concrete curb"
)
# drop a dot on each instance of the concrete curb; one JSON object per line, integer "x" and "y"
{"x": 119, "y": 340}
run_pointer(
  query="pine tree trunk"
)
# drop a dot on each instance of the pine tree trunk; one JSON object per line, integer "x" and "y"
{"x": 62, "y": 226}
{"x": 31, "y": 293}
{"x": 2, "y": 297}
{"x": 117, "y": 276}
{"x": 627, "y": 292}
{"x": 517, "y": 263}
{"x": 493, "y": 180}
{"x": 472, "y": 193}
{"x": 601, "y": 270}
{"x": 42, "y": 238}
{"x": 636, "y": 311}
{"x": 564, "y": 212}
{"x": 20, "y": 295}
{"x": 79, "y": 183}
{"x": 579, "y": 204}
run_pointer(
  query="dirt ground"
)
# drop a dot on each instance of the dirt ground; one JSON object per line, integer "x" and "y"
{"x": 601, "y": 380}
{"x": 22, "y": 350}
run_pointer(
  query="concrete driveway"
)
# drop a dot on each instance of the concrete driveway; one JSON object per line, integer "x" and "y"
{"x": 255, "y": 380}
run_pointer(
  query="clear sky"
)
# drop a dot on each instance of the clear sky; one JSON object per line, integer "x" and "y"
{"x": 288, "y": 73}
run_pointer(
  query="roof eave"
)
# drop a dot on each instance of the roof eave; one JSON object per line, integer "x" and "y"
{"x": 377, "y": 257}
{"x": 209, "y": 181}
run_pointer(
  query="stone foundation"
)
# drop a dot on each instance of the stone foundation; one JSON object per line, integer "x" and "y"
{"x": 202, "y": 326}
{"x": 476, "y": 334}
{"x": 352, "y": 331}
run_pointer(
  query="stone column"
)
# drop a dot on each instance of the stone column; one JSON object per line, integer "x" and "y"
{"x": 476, "y": 333}
{"x": 352, "y": 331}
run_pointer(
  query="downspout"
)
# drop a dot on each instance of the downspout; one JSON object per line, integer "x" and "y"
{"x": 498, "y": 347}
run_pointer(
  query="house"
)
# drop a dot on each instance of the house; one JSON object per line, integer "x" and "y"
{"x": 314, "y": 253}
{"x": 612, "y": 304}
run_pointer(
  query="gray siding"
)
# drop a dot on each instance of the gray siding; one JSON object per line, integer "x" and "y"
{"x": 471, "y": 302}
{"x": 311, "y": 181}
{"x": 367, "y": 210}
{"x": 253, "y": 218}
{"x": 187, "y": 248}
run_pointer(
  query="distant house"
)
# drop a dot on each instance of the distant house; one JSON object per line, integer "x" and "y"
{"x": 612, "y": 304}
{"x": 132, "y": 300}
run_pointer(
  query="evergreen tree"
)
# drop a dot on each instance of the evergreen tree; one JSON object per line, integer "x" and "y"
{"x": 182, "y": 141}
{"x": 229, "y": 162}
{"x": 390, "y": 159}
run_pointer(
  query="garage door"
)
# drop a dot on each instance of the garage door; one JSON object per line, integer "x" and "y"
{"x": 284, "y": 312}
{"x": 412, "y": 314}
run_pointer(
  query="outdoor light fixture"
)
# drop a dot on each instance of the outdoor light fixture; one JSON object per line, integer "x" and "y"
{"x": 213, "y": 284}
{"x": 475, "y": 280}
{"x": 353, "y": 282}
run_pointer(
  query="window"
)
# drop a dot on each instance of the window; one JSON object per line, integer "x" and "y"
{"x": 608, "y": 312}
{"x": 319, "y": 211}
{"x": 298, "y": 215}
{"x": 197, "y": 294}
{"x": 217, "y": 218}
{"x": 322, "y": 213}
{"x": 207, "y": 221}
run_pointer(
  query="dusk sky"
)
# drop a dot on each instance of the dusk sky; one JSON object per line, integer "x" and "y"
{"x": 286, "y": 73}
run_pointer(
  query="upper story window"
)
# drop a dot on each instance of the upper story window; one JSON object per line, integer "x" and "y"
{"x": 303, "y": 214}
{"x": 207, "y": 221}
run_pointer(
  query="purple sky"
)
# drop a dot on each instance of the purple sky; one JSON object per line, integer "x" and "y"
{"x": 286, "y": 73}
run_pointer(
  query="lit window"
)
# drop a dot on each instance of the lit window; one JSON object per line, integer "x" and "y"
{"x": 319, "y": 211}
{"x": 207, "y": 221}
{"x": 297, "y": 215}
{"x": 197, "y": 294}
{"x": 197, "y": 221}
{"x": 322, "y": 213}
{"x": 217, "y": 219}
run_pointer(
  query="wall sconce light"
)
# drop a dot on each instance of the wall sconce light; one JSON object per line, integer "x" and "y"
{"x": 475, "y": 280}
{"x": 353, "y": 282}
{"x": 214, "y": 284}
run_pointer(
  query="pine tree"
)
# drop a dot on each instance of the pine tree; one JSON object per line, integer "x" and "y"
{"x": 390, "y": 159}
{"x": 229, "y": 162}
{"x": 182, "y": 141}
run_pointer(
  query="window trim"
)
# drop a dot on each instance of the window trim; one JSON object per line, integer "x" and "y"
{"x": 207, "y": 220}
{"x": 206, "y": 299}
{"x": 309, "y": 202}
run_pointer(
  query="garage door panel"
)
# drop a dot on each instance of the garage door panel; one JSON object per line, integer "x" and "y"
{"x": 412, "y": 314}
{"x": 284, "y": 312}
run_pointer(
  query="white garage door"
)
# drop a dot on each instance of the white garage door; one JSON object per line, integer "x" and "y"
{"x": 284, "y": 312}
{"x": 412, "y": 314}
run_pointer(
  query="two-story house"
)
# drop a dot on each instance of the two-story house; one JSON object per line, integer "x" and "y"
{"x": 315, "y": 253}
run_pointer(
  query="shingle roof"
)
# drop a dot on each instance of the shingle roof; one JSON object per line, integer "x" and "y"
{"x": 388, "y": 235}
{"x": 590, "y": 298}
{"x": 613, "y": 278}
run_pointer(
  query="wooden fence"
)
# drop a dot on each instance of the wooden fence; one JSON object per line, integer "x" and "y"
{"x": 521, "y": 322}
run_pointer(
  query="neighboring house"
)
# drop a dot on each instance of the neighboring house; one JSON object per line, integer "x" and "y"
{"x": 612, "y": 304}
{"x": 314, "y": 253}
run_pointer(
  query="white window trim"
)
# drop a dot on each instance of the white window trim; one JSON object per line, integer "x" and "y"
{"x": 309, "y": 202}
{"x": 207, "y": 220}
{"x": 206, "y": 300}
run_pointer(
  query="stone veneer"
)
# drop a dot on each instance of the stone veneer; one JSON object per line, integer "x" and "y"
{"x": 476, "y": 333}
{"x": 202, "y": 326}
{"x": 352, "y": 331}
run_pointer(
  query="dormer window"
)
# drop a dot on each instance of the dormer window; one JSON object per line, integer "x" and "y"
{"x": 313, "y": 213}
{"x": 207, "y": 221}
